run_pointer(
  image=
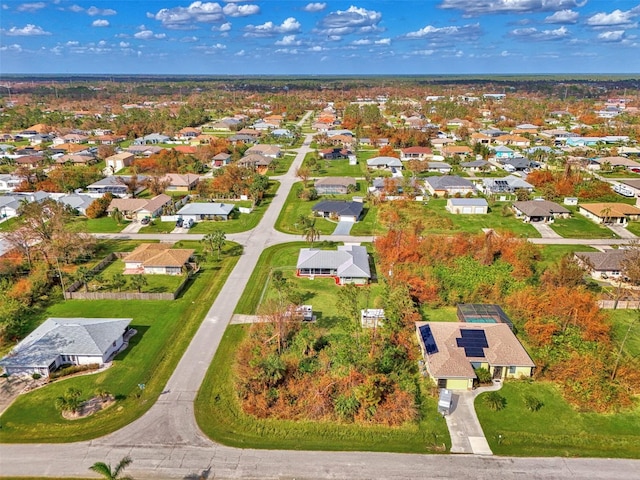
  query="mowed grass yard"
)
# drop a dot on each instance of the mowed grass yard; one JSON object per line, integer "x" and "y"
{"x": 557, "y": 429}
{"x": 294, "y": 208}
{"x": 336, "y": 168}
{"x": 219, "y": 415}
{"x": 97, "y": 225}
{"x": 580, "y": 227}
{"x": 164, "y": 331}
{"x": 155, "y": 283}
{"x": 435, "y": 209}
{"x": 634, "y": 227}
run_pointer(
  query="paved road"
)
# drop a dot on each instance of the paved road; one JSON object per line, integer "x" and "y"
{"x": 166, "y": 442}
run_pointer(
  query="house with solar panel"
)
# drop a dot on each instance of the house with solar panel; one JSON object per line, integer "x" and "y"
{"x": 452, "y": 352}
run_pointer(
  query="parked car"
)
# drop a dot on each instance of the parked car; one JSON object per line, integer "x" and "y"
{"x": 179, "y": 222}
{"x": 145, "y": 221}
{"x": 189, "y": 223}
{"x": 635, "y": 170}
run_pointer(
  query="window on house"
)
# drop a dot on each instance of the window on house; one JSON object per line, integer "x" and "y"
{"x": 512, "y": 370}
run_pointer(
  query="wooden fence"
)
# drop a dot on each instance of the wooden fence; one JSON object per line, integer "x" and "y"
{"x": 73, "y": 293}
{"x": 622, "y": 304}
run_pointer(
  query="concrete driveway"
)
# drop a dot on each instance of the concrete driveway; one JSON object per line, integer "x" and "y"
{"x": 464, "y": 428}
{"x": 621, "y": 231}
{"x": 545, "y": 230}
{"x": 343, "y": 228}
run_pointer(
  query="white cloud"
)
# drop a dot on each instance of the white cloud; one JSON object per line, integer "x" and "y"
{"x": 100, "y": 23}
{"x": 72, "y": 43}
{"x": 470, "y": 31}
{"x": 211, "y": 49}
{"x": 240, "y": 53}
{"x": 315, "y": 7}
{"x": 480, "y": 7}
{"x": 563, "y": 16}
{"x": 317, "y": 48}
{"x": 185, "y": 17}
{"x": 615, "y": 18}
{"x": 28, "y": 30}
{"x": 76, "y": 8}
{"x": 290, "y": 51}
{"x": 11, "y": 48}
{"x": 352, "y": 20}
{"x": 31, "y": 7}
{"x": 225, "y": 27}
{"x": 362, "y": 41}
{"x": 123, "y": 44}
{"x": 383, "y": 41}
{"x": 540, "y": 35}
{"x": 189, "y": 39}
{"x": 288, "y": 40}
{"x": 94, "y": 11}
{"x": 234, "y": 10}
{"x": 145, "y": 34}
{"x": 290, "y": 25}
{"x": 611, "y": 36}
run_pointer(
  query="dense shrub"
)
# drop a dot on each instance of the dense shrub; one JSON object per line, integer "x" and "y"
{"x": 63, "y": 372}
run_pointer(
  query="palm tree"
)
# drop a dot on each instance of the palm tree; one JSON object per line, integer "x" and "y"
{"x": 105, "y": 470}
{"x": 215, "y": 241}
{"x": 309, "y": 230}
{"x": 138, "y": 281}
{"x": 85, "y": 275}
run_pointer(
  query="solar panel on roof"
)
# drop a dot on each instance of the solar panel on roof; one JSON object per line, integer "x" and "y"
{"x": 428, "y": 340}
{"x": 474, "y": 352}
{"x": 473, "y": 341}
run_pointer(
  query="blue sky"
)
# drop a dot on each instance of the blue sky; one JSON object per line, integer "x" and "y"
{"x": 332, "y": 37}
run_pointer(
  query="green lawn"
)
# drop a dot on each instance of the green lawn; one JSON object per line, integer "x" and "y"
{"x": 97, "y": 225}
{"x": 634, "y": 227}
{"x": 580, "y": 227}
{"x": 164, "y": 331}
{"x": 620, "y": 322}
{"x": 283, "y": 165}
{"x": 9, "y": 225}
{"x": 553, "y": 253}
{"x": 624, "y": 173}
{"x": 337, "y": 168}
{"x": 157, "y": 226}
{"x": 475, "y": 223}
{"x": 219, "y": 415}
{"x": 556, "y": 429}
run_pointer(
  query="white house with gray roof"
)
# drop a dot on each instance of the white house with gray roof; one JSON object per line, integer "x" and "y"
{"x": 467, "y": 206}
{"x": 348, "y": 264}
{"x": 66, "y": 341}
{"x": 206, "y": 211}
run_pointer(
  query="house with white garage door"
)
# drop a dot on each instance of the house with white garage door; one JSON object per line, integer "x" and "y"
{"x": 467, "y": 206}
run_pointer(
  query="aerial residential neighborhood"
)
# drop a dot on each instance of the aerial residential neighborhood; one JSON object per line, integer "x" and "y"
{"x": 448, "y": 268}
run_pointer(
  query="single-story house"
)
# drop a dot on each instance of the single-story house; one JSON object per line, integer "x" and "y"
{"x": 480, "y": 138}
{"x": 156, "y": 259}
{"x": 415, "y": 153}
{"x": 503, "y": 152}
{"x": 137, "y": 208}
{"x": 516, "y": 164}
{"x": 449, "y": 185}
{"x": 348, "y": 264}
{"x": 616, "y": 213}
{"x": 477, "y": 166}
{"x": 77, "y": 202}
{"x": 152, "y": 138}
{"x": 206, "y": 211}
{"x": 614, "y": 162}
{"x": 440, "y": 167}
{"x": 540, "y": 211}
{"x": 76, "y": 159}
{"x": 633, "y": 185}
{"x": 339, "y": 210}
{"x": 336, "y": 185}
{"x": 243, "y": 138}
{"x": 452, "y": 351}
{"x": 115, "y": 184}
{"x": 143, "y": 150}
{"x": 266, "y": 150}
{"x": 221, "y": 159}
{"x": 181, "y": 182}
{"x": 474, "y": 206}
{"x": 66, "y": 341}
{"x": 334, "y": 153}
{"x": 119, "y": 161}
{"x": 603, "y": 265}
{"x": 515, "y": 140}
{"x": 460, "y": 150}
{"x": 9, "y": 182}
{"x": 10, "y": 204}
{"x": 255, "y": 161}
{"x": 384, "y": 163}
{"x": 508, "y": 184}
{"x": 371, "y": 317}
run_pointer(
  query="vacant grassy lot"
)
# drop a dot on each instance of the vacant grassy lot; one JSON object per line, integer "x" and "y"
{"x": 283, "y": 165}
{"x": 621, "y": 320}
{"x": 553, "y": 253}
{"x": 164, "y": 331}
{"x": 155, "y": 283}
{"x": 556, "y": 429}
{"x": 97, "y": 225}
{"x": 219, "y": 415}
{"x": 475, "y": 223}
{"x": 336, "y": 168}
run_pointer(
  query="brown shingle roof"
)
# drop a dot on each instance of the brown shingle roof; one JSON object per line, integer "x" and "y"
{"x": 610, "y": 210}
{"x": 450, "y": 361}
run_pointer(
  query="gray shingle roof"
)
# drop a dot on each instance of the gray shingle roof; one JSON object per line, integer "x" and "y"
{"x": 223, "y": 209}
{"x": 339, "y": 208}
{"x": 449, "y": 181}
{"x": 540, "y": 208}
{"x": 66, "y": 336}
{"x": 348, "y": 260}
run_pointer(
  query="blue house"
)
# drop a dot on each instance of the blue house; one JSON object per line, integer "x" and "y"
{"x": 504, "y": 152}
